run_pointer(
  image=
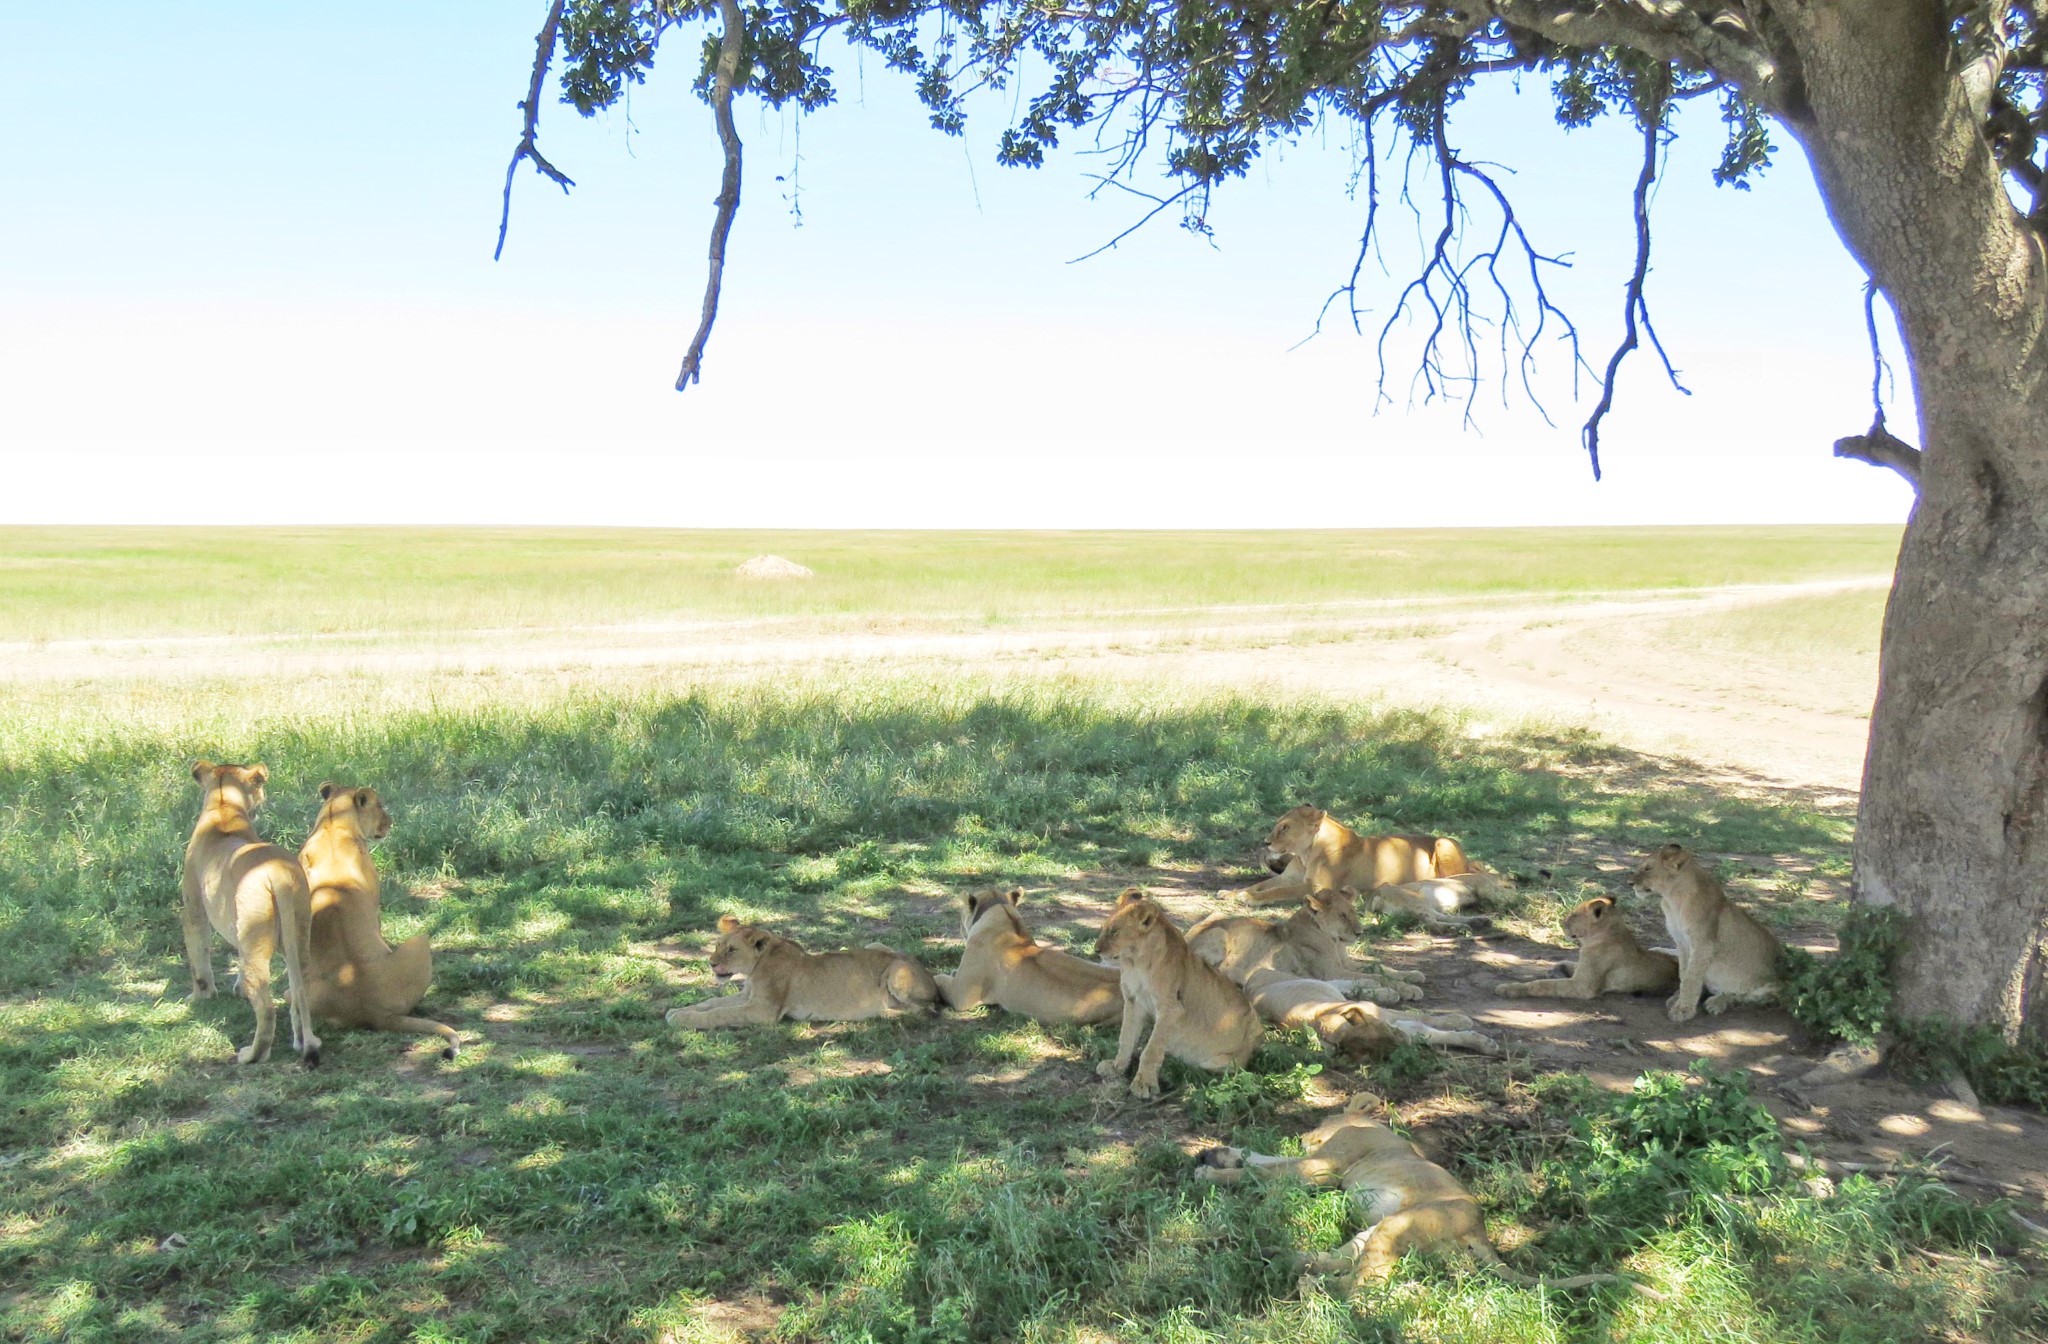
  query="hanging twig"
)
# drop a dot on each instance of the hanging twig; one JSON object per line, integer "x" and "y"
{"x": 1635, "y": 306}
{"x": 544, "y": 51}
{"x": 731, "y": 47}
{"x": 1879, "y": 446}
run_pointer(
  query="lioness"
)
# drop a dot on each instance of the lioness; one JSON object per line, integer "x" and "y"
{"x": 1311, "y": 850}
{"x": 1611, "y": 961}
{"x": 1194, "y": 1012}
{"x": 254, "y": 895}
{"x": 1353, "y": 1029}
{"x": 1721, "y": 947}
{"x": 1004, "y": 965}
{"x": 1309, "y": 944}
{"x": 1411, "y": 1203}
{"x": 358, "y": 979}
{"x": 783, "y": 980}
{"x": 1437, "y": 900}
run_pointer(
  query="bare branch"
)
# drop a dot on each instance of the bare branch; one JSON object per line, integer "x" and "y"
{"x": 1879, "y": 448}
{"x": 1634, "y": 309}
{"x": 731, "y": 46}
{"x": 543, "y": 52}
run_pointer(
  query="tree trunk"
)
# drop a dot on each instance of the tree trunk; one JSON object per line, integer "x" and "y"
{"x": 1951, "y": 826}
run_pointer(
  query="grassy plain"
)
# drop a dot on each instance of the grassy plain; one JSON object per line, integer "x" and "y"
{"x": 66, "y": 583}
{"x": 581, "y": 1172}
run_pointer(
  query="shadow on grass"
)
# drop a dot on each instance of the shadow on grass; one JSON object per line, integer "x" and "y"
{"x": 951, "y": 1179}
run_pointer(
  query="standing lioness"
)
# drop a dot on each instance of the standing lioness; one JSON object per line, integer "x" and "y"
{"x": 1004, "y": 965}
{"x": 358, "y": 979}
{"x": 254, "y": 895}
{"x": 1194, "y": 1012}
{"x": 1313, "y": 851}
{"x": 1721, "y": 947}
{"x": 783, "y": 980}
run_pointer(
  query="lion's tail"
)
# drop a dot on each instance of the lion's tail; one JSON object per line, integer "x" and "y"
{"x": 295, "y": 926}
{"x": 1489, "y": 1259}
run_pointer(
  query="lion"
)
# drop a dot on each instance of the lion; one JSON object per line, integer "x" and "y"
{"x": 1722, "y": 949}
{"x": 1352, "y": 1029}
{"x": 785, "y": 981}
{"x": 252, "y": 894}
{"x": 1437, "y": 901}
{"x": 1311, "y": 850}
{"x": 1005, "y": 966}
{"x": 358, "y": 979}
{"x": 1411, "y": 1202}
{"x": 1611, "y": 961}
{"x": 1309, "y": 944}
{"x": 1195, "y": 1013}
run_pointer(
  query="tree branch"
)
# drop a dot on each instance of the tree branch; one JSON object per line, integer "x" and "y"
{"x": 731, "y": 45}
{"x": 1665, "y": 30}
{"x": 1880, "y": 448}
{"x": 543, "y": 52}
{"x": 1634, "y": 304}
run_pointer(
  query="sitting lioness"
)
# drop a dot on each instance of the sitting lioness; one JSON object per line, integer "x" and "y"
{"x": 1309, "y": 944}
{"x": 358, "y": 979}
{"x": 1409, "y": 1202}
{"x": 1611, "y": 961}
{"x": 1353, "y": 1029}
{"x": 783, "y": 980}
{"x": 1721, "y": 947}
{"x": 1194, "y": 1012}
{"x": 254, "y": 895}
{"x": 1311, "y": 850}
{"x": 1004, "y": 965}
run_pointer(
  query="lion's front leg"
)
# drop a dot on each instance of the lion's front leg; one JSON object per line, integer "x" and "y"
{"x": 1127, "y": 1038}
{"x": 744, "y": 1009}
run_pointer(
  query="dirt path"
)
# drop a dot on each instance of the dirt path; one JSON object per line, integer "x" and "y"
{"x": 1506, "y": 658}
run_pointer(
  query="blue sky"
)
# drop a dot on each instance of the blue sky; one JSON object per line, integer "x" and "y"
{"x": 255, "y": 240}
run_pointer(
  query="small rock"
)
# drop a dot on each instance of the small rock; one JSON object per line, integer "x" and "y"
{"x": 1959, "y": 1088}
{"x": 772, "y": 567}
{"x": 1820, "y": 1187}
{"x": 1843, "y": 1063}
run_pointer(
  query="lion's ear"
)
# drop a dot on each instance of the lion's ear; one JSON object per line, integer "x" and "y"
{"x": 1672, "y": 851}
{"x": 728, "y": 922}
{"x": 1599, "y": 906}
{"x": 201, "y": 769}
{"x": 1016, "y": 895}
{"x": 1129, "y": 896}
{"x": 259, "y": 773}
{"x": 1146, "y": 919}
{"x": 362, "y": 797}
{"x": 761, "y": 943}
{"x": 326, "y": 791}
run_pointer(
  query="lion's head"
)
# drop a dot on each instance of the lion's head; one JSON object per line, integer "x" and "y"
{"x": 1335, "y": 911}
{"x": 989, "y": 900}
{"x": 360, "y": 808}
{"x": 739, "y": 948}
{"x": 1669, "y": 868}
{"x": 1588, "y": 918}
{"x": 1135, "y": 923}
{"x": 237, "y": 785}
{"x": 1292, "y": 835}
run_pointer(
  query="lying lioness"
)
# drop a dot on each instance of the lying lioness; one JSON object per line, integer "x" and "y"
{"x": 358, "y": 979}
{"x": 1311, "y": 943}
{"x": 1004, "y": 965}
{"x": 1611, "y": 961}
{"x": 1721, "y": 947}
{"x": 254, "y": 895}
{"x": 783, "y": 980}
{"x": 1194, "y": 1013}
{"x": 1311, "y": 850}
{"x": 1353, "y": 1029}
{"x": 1438, "y": 900}
{"x": 1410, "y": 1203}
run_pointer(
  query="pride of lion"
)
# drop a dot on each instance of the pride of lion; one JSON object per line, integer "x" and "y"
{"x": 1204, "y": 996}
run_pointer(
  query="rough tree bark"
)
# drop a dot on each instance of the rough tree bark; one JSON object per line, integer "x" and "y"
{"x": 1951, "y": 825}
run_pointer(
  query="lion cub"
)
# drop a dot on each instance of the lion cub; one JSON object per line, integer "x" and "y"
{"x": 1409, "y": 1202}
{"x": 1349, "y": 1028}
{"x": 1611, "y": 961}
{"x": 783, "y": 980}
{"x": 1311, "y": 850}
{"x": 1310, "y": 944}
{"x": 358, "y": 979}
{"x": 1004, "y": 965}
{"x": 1721, "y": 947}
{"x": 254, "y": 895}
{"x": 1195, "y": 1013}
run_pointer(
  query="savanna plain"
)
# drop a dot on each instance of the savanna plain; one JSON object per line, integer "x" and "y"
{"x": 595, "y": 743}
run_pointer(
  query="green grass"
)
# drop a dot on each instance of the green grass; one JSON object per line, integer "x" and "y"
{"x": 106, "y": 582}
{"x": 580, "y": 1172}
